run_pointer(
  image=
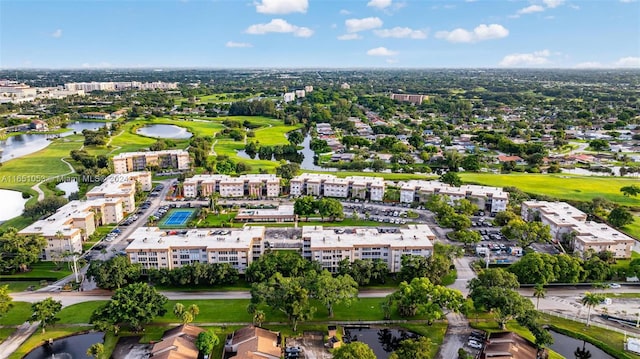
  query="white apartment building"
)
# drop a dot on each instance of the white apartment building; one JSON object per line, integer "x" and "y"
{"x": 122, "y": 186}
{"x": 250, "y": 185}
{"x": 118, "y": 86}
{"x": 140, "y": 161}
{"x": 74, "y": 222}
{"x": 156, "y": 248}
{"x": 330, "y": 246}
{"x": 308, "y": 88}
{"x": 491, "y": 199}
{"x": 289, "y": 96}
{"x": 300, "y": 93}
{"x": 563, "y": 218}
{"x": 361, "y": 187}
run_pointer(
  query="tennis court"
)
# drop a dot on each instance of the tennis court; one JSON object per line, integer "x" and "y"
{"x": 177, "y": 217}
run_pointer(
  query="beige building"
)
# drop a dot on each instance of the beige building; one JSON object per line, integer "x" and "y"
{"x": 330, "y": 246}
{"x": 252, "y": 185}
{"x": 156, "y": 248}
{"x": 493, "y": 199}
{"x": 74, "y": 222}
{"x": 284, "y": 213}
{"x": 563, "y": 218}
{"x": 413, "y": 98}
{"x": 140, "y": 161}
{"x": 122, "y": 186}
{"x": 326, "y": 185}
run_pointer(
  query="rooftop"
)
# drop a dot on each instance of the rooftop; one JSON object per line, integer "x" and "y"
{"x": 147, "y": 153}
{"x": 413, "y": 236}
{"x": 283, "y": 210}
{"x": 117, "y": 183}
{"x": 155, "y": 238}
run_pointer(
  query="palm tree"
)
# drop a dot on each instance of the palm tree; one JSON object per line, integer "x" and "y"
{"x": 259, "y": 317}
{"x": 590, "y": 300}
{"x": 582, "y": 353}
{"x": 538, "y": 292}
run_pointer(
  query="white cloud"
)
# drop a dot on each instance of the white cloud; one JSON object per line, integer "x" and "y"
{"x": 627, "y": 62}
{"x": 345, "y": 12}
{"x": 352, "y": 36}
{"x": 552, "y": 3}
{"x": 530, "y": 9}
{"x": 237, "y": 44}
{"x": 401, "y": 32}
{"x": 281, "y": 6}
{"x": 57, "y": 34}
{"x": 380, "y": 4}
{"x": 367, "y": 23}
{"x": 589, "y": 65}
{"x": 381, "y": 51}
{"x": 536, "y": 58}
{"x": 279, "y": 26}
{"x": 480, "y": 33}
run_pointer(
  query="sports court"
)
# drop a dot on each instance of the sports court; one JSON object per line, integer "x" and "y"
{"x": 177, "y": 217}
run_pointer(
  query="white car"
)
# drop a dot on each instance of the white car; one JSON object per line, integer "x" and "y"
{"x": 615, "y": 286}
{"x": 474, "y": 344}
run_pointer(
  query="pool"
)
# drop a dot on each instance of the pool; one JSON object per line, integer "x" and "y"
{"x": 177, "y": 217}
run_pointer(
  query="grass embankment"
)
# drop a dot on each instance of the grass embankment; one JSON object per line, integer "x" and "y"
{"x": 562, "y": 186}
{"x": 21, "y": 281}
{"x": 18, "y": 314}
{"x": 633, "y": 229}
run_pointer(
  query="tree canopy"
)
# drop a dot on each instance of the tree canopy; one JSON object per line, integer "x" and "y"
{"x": 354, "y": 350}
{"x": 18, "y": 252}
{"x": 45, "y": 312}
{"x": 423, "y": 297}
{"x": 286, "y": 294}
{"x": 114, "y": 273}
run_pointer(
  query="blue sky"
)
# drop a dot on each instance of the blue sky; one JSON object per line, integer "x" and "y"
{"x": 319, "y": 33}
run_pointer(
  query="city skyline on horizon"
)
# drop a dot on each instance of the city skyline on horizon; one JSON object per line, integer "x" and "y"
{"x": 309, "y": 34}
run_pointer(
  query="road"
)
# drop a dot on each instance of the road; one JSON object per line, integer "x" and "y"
{"x": 13, "y": 342}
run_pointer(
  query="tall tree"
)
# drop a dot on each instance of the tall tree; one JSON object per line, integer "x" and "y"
{"x": 413, "y": 349}
{"x": 114, "y": 273}
{"x": 134, "y": 305}
{"x": 620, "y": 217}
{"x": 5, "y": 300}
{"x": 590, "y": 300}
{"x": 18, "y": 252}
{"x": 423, "y": 297}
{"x": 354, "y": 350}
{"x": 330, "y": 290}
{"x": 527, "y": 233}
{"x": 632, "y": 190}
{"x": 286, "y": 294}
{"x": 206, "y": 341}
{"x": 259, "y": 317}
{"x": 331, "y": 208}
{"x": 538, "y": 292}
{"x": 45, "y": 312}
{"x": 186, "y": 315}
{"x": 451, "y": 178}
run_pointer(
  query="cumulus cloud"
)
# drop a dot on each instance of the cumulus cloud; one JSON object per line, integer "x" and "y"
{"x": 367, "y": 23}
{"x": 401, "y": 32}
{"x": 281, "y": 6}
{"x": 279, "y": 26}
{"x": 628, "y": 61}
{"x": 381, "y": 51}
{"x": 352, "y": 36}
{"x": 57, "y": 34}
{"x": 552, "y": 3}
{"x": 480, "y": 33}
{"x": 530, "y": 9}
{"x": 536, "y": 58}
{"x": 345, "y": 12}
{"x": 237, "y": 44}
{"x": 380, "y": 4}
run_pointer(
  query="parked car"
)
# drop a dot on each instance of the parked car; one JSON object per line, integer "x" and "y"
{"x": 614, "y": 286}
{"x": 474, "y": 344}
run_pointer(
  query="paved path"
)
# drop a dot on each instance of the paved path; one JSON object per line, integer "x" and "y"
{"x": 36, "y": 187}
{"x": 456, "y": 336}
{"x": 13, "y": 342}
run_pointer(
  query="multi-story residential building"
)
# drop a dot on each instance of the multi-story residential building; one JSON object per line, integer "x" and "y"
{"x": 72, "y": 223}
{"x": 283, "y": 213}
{"x": 252, "y": 185}
{"x": 156, "y": 248}
{"x": 413, "y": 98}
{"x": 122, "y": 186}
{"x": 564, "y": 219}
{"x": 289, "y": 96}
{"x": 361, "y": 187}
{"x": 491, "y": 199}
{"x": 308, "y": 88}
{"x": 140, "y": 161}
{"x": 330, "y": 246}
{"x": 119, "y": 86}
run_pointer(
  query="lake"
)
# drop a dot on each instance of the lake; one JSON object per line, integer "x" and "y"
{"x": 164, "y": 131}
{"x": 78, "y": 126}
{"x": 68, "y": 187}
{"x": 72, "y": 347}
{"x": 383, "y": 341}
{"x": 567, "y": 346}
{"x": 12, "y": 204}
{"x": 307, "y": 159}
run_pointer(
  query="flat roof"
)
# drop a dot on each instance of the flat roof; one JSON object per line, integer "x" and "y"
{"x": 213, "y": 238}
{"x": 150, "y": 153}
{"x": 413, "y": 185}
{"x": 416, "y": 235}
{"x": 283, "y": 210}
{"x": 113, "y": 184}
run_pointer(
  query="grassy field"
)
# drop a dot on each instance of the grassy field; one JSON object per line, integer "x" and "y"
{"x": 18, "y": 314}
{"x": 633, "y": 229}
{"x": 42, "y": 269}
{"x": 216, "y": 220}
{"x": 581, "y": 188}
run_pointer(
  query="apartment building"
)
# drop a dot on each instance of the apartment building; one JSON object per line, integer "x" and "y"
{"x": 156, "y": 248}
{"x": 122, "y": 186}
{"x": 252, "y": 185}
{"x": 413, "y": 98}
{"x": 74, "y": 222}
{"x": 330, "y": 246}
{"x": 289, "y": 96}
{"x": 563, "y": 218}
{"x": 119, "y": 86}
{"x": 283, "y": 213}
{"x": 491, "y": 199}
{"x": 326, "y": 185}
{"x": 140, "y": 161}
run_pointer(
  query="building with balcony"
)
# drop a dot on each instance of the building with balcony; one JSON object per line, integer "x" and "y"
{"x": 492, "y": 199}
{"x": 326, "y": 185}
{"x": 250, "y": 185}
{"x": 122, "y": 186}
{"x": 330, "y": 246}
{"x": 140, "y": 161}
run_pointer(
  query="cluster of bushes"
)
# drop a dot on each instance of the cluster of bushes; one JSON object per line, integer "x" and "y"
{"x": 197, "y": 274}
{"x": 98, "y": 137}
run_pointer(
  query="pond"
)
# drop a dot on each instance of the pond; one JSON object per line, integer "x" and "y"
{"x": 78, "y": 126}
{"x": 73, "y": 347}
{"x": 12, "y": 204}
{"x": 382, "y": 341}
{"x": 68, "y": 187}
{"x": 164, "y": 131}
{"x": 569, "y": 347}
{"x": 22, "y": 145}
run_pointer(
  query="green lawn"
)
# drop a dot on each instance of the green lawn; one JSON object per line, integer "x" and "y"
{"x": 581, "y": 188}
{"x": 19, "y": 222}
{"x": 79, "y": 313}
{"x": 633, "y": 229}
{"x": 5, "y": 333}
{"x": 20, "y": 286}
{"x": 18, "y": 314}
{"x": 216, "y": 220}
{"x": 42, "y": 269}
